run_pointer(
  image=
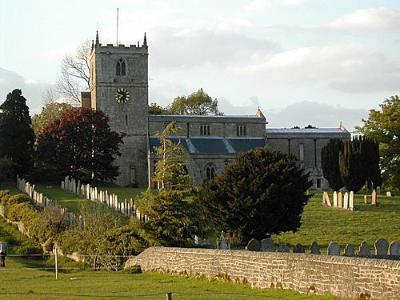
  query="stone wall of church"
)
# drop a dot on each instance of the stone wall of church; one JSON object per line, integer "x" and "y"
{"x": 220, "y": 126}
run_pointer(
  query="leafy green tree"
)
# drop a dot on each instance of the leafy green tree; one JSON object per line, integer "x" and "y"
{"x": 330, "y": 163}
{"x": 155, "y": 109}
{"x": 79, "y": 144}
{"x": 262, "y": 192}
{"x": 16, "y": 134}
{"x": 383, "y": 126}
{"x": 49, "y": 113}
{"x": 197, "y": 103}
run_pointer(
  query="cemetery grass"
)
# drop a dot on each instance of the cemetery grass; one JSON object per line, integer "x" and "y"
{"x": 367, "y": 223}
{"x": 24, "y": 279}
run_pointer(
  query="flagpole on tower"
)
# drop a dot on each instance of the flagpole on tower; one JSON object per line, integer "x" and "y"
{"x": 117, "y": 23}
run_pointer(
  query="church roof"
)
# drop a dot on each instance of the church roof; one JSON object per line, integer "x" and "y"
{"x": 306, "y": 130}
{"x": 218, "y": 146}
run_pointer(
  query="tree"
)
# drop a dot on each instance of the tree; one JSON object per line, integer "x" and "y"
{"x": 75, "y": 73}
{"x": 171, "y": 167}
{"x": 79, "y": 144}
{"x": 173, "y": 218}
{"x": 49, "y": 113}
{"x": 262, "y": 192}
{"x": 197, "y": 103}
{"x": 352, "y": 165}
{"x": 330, "y": 163}
{"x": 16, "y": 134}
{"x": 155, "y": 109}
{"x": 383, "y": 126}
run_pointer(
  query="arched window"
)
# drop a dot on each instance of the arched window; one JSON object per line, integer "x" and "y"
{"x": 120, "y": 68}
{"x": 210, "y": 171}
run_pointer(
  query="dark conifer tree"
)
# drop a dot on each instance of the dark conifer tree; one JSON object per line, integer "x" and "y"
{"x": 260, "y": 193}
{"x": 330, "y": 163}
{"x": 16, "y": 133}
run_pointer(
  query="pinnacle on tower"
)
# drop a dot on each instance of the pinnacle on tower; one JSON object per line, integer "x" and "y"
{"x": 145, "y": 40}
{"x": 97, "y": 37}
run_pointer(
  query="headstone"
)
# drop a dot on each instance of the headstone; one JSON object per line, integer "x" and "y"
{"x": 394, "y": 248}
{"x": 381, "y": 247}
{"x": 333, "y": 249}
{"x": 325, "y": 199}
{"x": 388, "y": 194}
{"x": 340, "y": 200}
{"x": 351, "y": 201}
{"x": 283, "y": 248}
{"x": 373, "y": 198}
{"x": 349, "y": 250}
{"x": 314, "y": 248}
{"x": 346, "y": 200}
{"x": 378, "y": 190}
{"x": 365, "y": 199}
{"x": 299, "y": 248}
{"x": 335, "y": 199}
{"x": 363, "y": 250}
{"x": 223, "y": 242}
{"x": 253, "y": 245}
{"x": 268, "y": 245}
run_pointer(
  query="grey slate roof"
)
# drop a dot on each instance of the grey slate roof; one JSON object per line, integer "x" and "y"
{"x": 213, "y": 145}
{"x": 306, "y": 130}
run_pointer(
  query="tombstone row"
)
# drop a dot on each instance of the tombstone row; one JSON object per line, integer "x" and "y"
{"x": 340, "y": 200}
{"x": 125, "y": 207}
{"x": 41, "y": 200}
{"x": 382, "y": 248}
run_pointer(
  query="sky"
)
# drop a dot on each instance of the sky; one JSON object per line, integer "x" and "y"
{"x": 302, "y": 62}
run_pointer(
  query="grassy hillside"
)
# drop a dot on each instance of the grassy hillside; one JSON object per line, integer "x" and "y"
{"x": 23, "y": 279}
{"x": 366, "y": 223}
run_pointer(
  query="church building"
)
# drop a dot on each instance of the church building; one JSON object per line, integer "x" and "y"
{"x": 119, "y": 88}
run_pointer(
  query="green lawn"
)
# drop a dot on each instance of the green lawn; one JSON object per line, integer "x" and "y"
{"x": 122, "y": 192}
{"x": 23, "y": 279}
{"x": 369, "y": 223}
{"x": 63, "y": 198}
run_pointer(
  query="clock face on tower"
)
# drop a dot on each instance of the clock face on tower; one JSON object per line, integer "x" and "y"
{"x": 122, "y": 95}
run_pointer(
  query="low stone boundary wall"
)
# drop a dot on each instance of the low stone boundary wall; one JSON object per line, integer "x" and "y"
{"x": 349, "y": 277}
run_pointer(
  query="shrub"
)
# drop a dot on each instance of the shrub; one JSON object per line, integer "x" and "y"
{"x": 260, "y": 193}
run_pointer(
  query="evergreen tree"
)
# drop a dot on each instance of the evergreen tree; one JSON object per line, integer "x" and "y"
{"x": 330, "y": 163}
{"x": 371, "y": 156}
{"x": 383, "y": 127}
{"x": 352, "y": 165}
{"x": 262, "y": 192}
{"x": 16, "y": 134}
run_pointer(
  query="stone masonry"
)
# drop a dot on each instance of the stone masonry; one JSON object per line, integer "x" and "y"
{"x": 349, "y": 277}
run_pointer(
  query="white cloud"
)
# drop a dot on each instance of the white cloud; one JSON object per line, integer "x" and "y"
{"x": 348, "y": 67}
{"x": 257, "y": 5}
{"x": 56, "y": 54}
{"x": 380, "y": 18}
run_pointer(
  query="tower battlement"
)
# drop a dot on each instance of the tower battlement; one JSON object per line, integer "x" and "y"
{"x": 109, "y": 46}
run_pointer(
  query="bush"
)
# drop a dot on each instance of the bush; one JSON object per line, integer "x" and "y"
{"x": 260, "y": 193}
{"x": 15, "y": 199}
{"x": 20, "y": 212}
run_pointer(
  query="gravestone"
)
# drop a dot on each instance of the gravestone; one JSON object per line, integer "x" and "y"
{"x": 314, "y": 248}
{"x": 346, "y": 200}
{"x": 267, "y": 245}
{"x": 253, "y": 245}
{"x": 340, "y": 200}
{"x": 363, "y": 250}
{"x": 381, "y": 247}
{"x": 299, "y": 248}
{"x": 349, "y": 250}
{"x": 335, "y": 200}
{"x": 374, "y": 200}
{"x": 283, "y": 248}
{"x": 351, "y": 201}
{"x": 388, "y": 194}
{"x": 325, "y": 199}
{"x": 222, "y": 242}
{"x": 365, "y": 199}
{"x": 394, "y": 248}
{"x": 333, "y": 249}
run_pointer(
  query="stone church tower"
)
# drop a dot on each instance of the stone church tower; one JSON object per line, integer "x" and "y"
{"x": 119, "y": 88}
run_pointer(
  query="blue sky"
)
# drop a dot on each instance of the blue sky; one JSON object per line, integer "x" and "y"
{"x": 335, "y": 58}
